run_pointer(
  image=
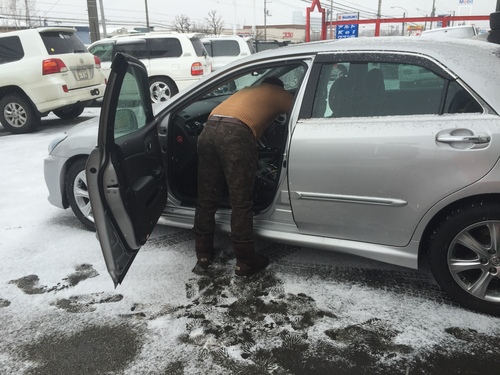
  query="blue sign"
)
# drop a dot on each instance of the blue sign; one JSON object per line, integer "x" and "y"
{"x": 347, "y": 31}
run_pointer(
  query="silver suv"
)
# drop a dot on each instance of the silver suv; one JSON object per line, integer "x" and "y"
{"x": 174, "y": 61}
{"x": 43, "y": 70}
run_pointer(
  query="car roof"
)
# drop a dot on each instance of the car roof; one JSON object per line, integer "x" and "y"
{"x": 472, "y": 60}
{"x": 222, "y": 37}
{"x": 130, "y": 38}
{"x": 41, "y": 30}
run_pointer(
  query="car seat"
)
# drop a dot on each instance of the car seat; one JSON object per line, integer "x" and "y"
{"x": 339, "y": 98}
{"x": 373, "y": 95}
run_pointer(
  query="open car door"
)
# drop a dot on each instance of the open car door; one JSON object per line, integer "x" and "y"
{"x": 125, "y": 175}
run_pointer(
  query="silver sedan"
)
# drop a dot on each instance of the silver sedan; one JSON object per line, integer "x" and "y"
{"x": 395, "y": 159}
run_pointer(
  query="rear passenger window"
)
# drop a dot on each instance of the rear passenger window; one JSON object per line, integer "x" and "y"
{"x": 60, "y": 42}
{"x": 103, "y": 51}
{"x": 225, "y": 48}
{"x": 198, "y": 46}
{"x": 138, "y": 50}
{"x": 164, "y": 47}
{"x": 11, "y": 49}
{"x": 362, "y": 89}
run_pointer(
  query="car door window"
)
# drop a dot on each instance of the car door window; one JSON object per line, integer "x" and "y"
{"x": 137, "y": 50}
{"x": 362, "y": 89}
{"x": 225, "y": 48}
{"x": 164, "y": 47}
{"x": 130, "y": 112}
{"x": 11, "y": 49}
{"x": 104, "y": 51}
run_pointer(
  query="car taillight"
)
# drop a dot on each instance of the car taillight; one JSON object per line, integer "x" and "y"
{"x": 97, "y": 62}
{"x": 197, "y": 69}
{"x": 51, "y": 66}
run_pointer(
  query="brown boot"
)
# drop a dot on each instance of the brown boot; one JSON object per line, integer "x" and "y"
{"x": 204, "y": 245}
{"x": 247, "y": 261}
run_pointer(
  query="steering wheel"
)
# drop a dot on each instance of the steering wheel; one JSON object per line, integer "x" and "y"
{"x": 280, "y": 120}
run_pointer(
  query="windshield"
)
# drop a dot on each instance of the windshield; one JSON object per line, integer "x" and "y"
{"x": 59, "y": 42}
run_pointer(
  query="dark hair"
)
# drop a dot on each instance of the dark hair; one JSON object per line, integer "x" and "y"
{"x": 274, "y": 81}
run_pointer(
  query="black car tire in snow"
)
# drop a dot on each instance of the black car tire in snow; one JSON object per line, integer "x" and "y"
{"x": 77, "y": 193}
{"x": 69, "y": 112}
{"x": 463, "y": 259}
{"x": 17, "y": 115}
{"x": 161, "y": 89}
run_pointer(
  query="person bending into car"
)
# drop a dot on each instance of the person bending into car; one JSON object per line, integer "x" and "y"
{"x": 227, "y": 152}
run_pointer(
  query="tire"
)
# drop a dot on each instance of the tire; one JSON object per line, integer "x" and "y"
{"x": 161, "y": 89}
{"x": 463, "y": 259}
{"x": 17, "y": 115}
{"x": 69, "y": 112}
{"x": 77, "y": 193}
{"x": 495, "y": 21}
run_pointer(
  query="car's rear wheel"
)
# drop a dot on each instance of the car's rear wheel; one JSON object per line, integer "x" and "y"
{"x": 17, "y": 115}
{"x": 161, "y": 89}
{"x": 78, "y": 194}
{"x": 69, "y": 112}
{"x": 465, "y": 256}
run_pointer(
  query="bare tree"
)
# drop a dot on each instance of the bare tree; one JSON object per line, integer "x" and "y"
{"x": 181, "y": 24}
{"x": 215, "y": 23}
{"x": 201, "y": 28}
{"x": 21, "y": 12}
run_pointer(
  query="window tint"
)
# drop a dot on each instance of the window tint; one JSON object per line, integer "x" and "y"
{"x": 130, "y": 112}
{"x": 290, "y": 74}
{"x": 138, "y": 50}
{"x": 11, "y": 49}
{"x": 225, "y": 48}
{"x": 458, "y": 100}
{"x": 198, "y": 47}
{"x": 251, "y": 47}
{"x": 59, "y": 42}
{"x": 164, "y": 47}
{"x": 208, "y": 47}
{"x": 383, "y": 89}
{"x": 103, "y": 51}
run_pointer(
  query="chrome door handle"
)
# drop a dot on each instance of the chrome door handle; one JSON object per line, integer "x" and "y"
{"x": 477, "y": 139}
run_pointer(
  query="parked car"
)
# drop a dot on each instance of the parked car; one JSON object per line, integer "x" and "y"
{"x": 43, "y": 70}
{"x": 464, "y": 32}
{"x": 225, "y": 49}
{"x": 399, "y": 173}
{"x": 174, "y": 61}
{"x": 264, "y": 45}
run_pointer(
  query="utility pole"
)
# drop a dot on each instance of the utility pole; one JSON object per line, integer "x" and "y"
{"x": 433, "y": 12}
{"x": 331, "y": 19}
{"x": 28, "y": 21}
{"x": 379, "y": 11}
{"x": 147, "y": 15}
{"x": 103, "y": 19}
{"x": 265, "y": 19}
{"x": 93, "y": 20}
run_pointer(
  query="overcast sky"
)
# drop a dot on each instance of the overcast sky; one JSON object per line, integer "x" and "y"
{"x": 248, "y": 12}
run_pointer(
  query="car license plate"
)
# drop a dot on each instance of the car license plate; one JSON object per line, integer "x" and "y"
{"x": 82, "y": 74}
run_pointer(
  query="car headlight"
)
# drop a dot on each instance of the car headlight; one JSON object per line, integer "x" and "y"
{"x": 53, "y": 144}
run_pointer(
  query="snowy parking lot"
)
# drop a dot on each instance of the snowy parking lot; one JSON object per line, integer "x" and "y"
{"x": 310, "y": 312}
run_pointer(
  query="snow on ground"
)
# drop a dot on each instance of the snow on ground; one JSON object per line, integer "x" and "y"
{"x": 310, "y": 312}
